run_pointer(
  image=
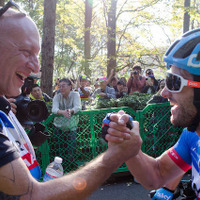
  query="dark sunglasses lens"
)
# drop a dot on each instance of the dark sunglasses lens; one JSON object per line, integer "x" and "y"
{"x": 173, "y": 82}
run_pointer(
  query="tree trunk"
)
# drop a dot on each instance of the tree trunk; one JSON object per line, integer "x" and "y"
{"x": 2, "y": 2}
{"x": 111, "y": 37}
{"x": 87, "y": 39}
{"x": 48, "y": 42}
{"x": 186, "y": 21}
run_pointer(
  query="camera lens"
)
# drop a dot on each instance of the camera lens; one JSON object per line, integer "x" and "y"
{"x": 37, "y": 111}
{"x": 135, "y": 72}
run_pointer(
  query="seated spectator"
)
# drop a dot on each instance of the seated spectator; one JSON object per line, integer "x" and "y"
{"x": 66, "y": 103}
{"x": 104, "y": 91}
{"x": 37, "y": 94}
{"x": 136, "y": 82}
{"x": 84, "y": 91}
{"x": 121, "y": 89}
{"x": 151, "y": 86}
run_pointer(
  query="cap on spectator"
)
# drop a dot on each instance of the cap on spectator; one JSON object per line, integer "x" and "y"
{"x": 101, "y": 79}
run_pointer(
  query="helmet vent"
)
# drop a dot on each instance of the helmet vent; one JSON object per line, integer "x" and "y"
{"x": 187, "y": 48}
{"x": 198, "y": 56}
{"x": 173, "y": 45}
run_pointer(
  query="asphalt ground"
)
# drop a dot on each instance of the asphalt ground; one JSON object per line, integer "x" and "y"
{"x": 120, "y": 187}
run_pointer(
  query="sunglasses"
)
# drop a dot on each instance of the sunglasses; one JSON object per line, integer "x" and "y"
{"x": 9, "y": 5}
{"x": 175, "y": 83}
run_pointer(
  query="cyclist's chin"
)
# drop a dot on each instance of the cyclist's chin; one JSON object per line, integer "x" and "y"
{"x": 177, "y": 117}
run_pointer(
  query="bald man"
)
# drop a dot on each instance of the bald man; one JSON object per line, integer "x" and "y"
{"x": 19, "y": 49}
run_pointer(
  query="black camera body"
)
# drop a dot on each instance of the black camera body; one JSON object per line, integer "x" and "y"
{"x": 135, "y": 72}
{"x": 29, "y": 111}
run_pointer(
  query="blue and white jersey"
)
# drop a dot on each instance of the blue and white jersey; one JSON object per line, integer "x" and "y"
{"x": 186, "y": 154}
{"x": 11, "y": 128}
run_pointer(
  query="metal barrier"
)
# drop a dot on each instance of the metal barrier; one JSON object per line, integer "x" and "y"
{"x": 85, "y": 143}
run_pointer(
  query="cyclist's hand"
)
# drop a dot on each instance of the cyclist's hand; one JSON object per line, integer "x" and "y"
{"x": 115, "y": 119}
{"x": 161, "y": 194}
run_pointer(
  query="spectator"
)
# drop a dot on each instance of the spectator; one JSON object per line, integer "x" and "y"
{"x": 149, "y": 72}
{"x": 37, "y": 94}
{"x": 114, "y": 82}
{"x": 84, "y": 91}
{"x": 150, "y": 86}
{"x": 66, "y": 103}
{"x": 124, "y": 80}
{"x": 104, "y": 91}
{"x": 136, "y": 82}
{"x": 122, "y": 90}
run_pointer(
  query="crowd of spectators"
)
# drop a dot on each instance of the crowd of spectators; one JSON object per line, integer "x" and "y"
{"x": 114, "y": 86}
{"x": 109, "y": 87}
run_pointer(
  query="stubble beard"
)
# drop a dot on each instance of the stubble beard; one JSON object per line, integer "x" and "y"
{"x": 184, "y": 117}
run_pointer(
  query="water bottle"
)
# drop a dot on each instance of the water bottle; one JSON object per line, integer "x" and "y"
{"x": 54, "y": 170}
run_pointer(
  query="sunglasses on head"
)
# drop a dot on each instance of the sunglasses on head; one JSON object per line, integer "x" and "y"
{"x": 175, "y": 83}
{"x": 9, "y": 5}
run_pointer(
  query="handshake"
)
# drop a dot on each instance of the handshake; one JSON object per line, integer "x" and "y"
{"x": 122, "y": 134}
{"x": 106, "y": 122}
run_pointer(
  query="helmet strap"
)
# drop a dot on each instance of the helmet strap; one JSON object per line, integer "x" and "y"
{"x": 195, "y": 122}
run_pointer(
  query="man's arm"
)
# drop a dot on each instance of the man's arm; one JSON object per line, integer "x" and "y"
{"x": 86, "y": 93}
{"x": 150, "y": 172}
{"x": 154, "y": 173}
{"x": 16, "y": 181}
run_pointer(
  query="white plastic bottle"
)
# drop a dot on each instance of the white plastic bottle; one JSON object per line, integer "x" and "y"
{"x": 54, "y": 170}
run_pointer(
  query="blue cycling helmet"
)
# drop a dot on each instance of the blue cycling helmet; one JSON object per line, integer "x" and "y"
{"x": 185, "y": 52}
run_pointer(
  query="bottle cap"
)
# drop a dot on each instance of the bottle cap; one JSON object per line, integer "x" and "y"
{"x": 58, "y": 159}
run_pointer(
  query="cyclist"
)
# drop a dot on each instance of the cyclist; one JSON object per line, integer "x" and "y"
{"x": 182, "y": 89}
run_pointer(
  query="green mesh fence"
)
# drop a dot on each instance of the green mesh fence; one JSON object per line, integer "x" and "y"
{"x": 80, "y": 144}
{"x": 156, "y": 130}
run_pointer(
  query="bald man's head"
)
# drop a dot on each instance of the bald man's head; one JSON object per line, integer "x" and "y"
{"x": 19, "y": 49}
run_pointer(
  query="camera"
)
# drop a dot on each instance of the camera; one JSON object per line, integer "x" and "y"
{"x": 29, "y": 111}
{"x": 135, "y": 72}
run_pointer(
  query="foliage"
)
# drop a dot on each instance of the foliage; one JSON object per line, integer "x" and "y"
{"x": 136, "y": 101}
{"x": 134, "y": 33}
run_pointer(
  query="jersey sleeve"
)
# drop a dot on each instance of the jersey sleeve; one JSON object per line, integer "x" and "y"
{"x": 180, "y": 152}
{"x": 8, "y": 152}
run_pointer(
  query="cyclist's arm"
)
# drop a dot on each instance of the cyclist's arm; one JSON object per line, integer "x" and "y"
{"x": 153, "y": 173}
{"x": 16, "y": 181}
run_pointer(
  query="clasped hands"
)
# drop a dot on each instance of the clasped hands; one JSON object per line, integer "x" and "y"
{"x": 127, "y": 142}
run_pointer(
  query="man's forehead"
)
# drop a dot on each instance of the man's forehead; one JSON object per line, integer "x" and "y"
{"x": 20, "y": 32}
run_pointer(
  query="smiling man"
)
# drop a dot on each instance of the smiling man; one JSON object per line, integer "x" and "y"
{"x": 19, "y": 49}
{"x": 182, "y": 89}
